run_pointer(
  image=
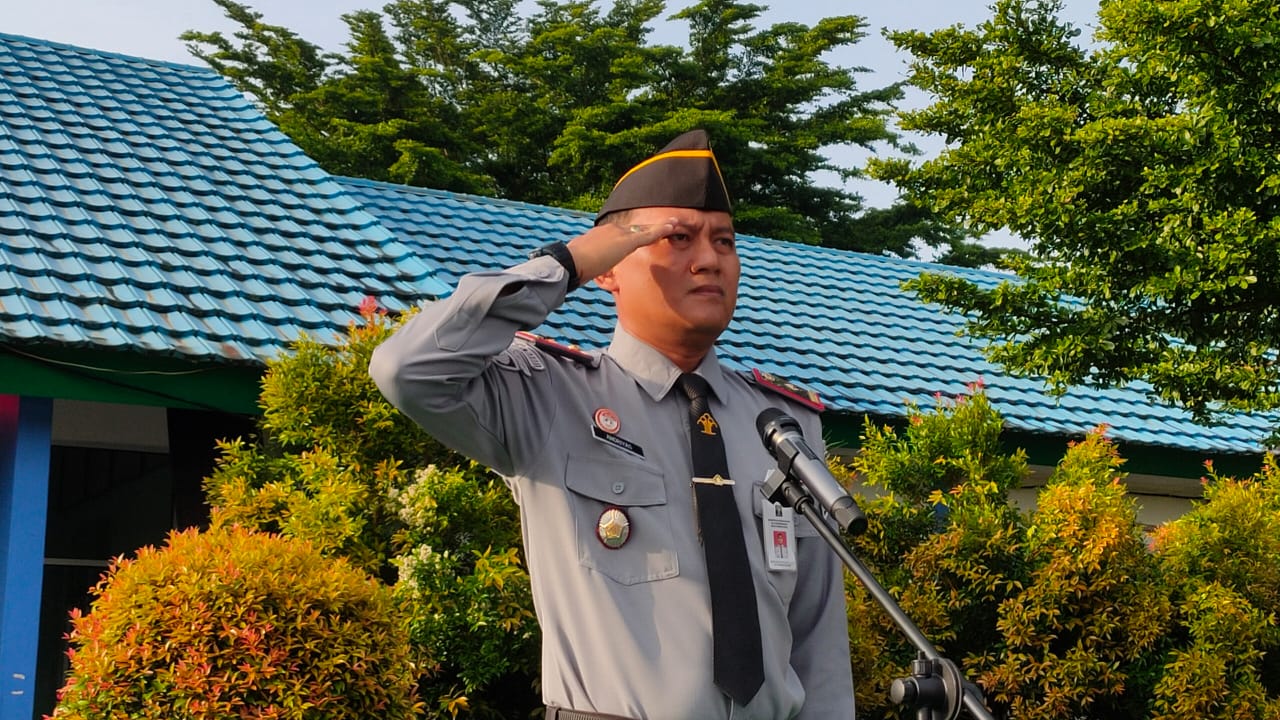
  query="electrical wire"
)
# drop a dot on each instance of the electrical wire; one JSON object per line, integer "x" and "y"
{"x": 89, "y": 372}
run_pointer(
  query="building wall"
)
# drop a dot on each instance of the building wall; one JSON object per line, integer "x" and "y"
{"x": 120, "y": 477}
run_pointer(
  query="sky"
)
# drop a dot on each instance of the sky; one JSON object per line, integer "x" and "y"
{"x": 150, "y": 29}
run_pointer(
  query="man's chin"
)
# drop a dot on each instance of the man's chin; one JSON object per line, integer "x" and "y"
{"x": 709, "y": 329}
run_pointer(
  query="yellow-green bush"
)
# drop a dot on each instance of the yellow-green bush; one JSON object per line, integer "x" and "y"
{"x": 1078, "y": 635}
{"x": 235, "y": 624}
{"x": 1223, "y": 563}
{"x": 338, "y": 466}
{"x": 942, "y": 538}
{"x": 1071, "y": 610}
{"x": 330, "y": 452}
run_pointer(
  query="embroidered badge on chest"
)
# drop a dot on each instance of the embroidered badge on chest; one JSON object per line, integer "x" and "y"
{"x": 605, "y": 425}
{"x": 613, "y": 529}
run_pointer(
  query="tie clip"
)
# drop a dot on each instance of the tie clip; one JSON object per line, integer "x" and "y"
{"x": 717, "y": 480}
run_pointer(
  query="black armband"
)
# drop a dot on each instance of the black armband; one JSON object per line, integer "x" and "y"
{"x": 560, "y": 252}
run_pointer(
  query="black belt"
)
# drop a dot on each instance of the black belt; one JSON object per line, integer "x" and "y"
{"x": 556, "y": 713}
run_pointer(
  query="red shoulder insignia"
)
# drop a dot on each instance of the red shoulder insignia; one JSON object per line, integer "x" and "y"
{"x": 551, "y": 347}
{"x": 788, "y": 389}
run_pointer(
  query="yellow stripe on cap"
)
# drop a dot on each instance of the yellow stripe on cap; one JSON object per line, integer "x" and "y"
{"x": 691, "y": 180}
{"x": 673, "y": 155}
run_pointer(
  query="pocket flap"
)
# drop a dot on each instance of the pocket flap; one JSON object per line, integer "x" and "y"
{"x": 615, "y": 482}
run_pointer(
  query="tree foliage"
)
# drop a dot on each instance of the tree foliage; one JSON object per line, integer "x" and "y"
{"x": 1143, "y": 169}
{"x": 553, "y": 106}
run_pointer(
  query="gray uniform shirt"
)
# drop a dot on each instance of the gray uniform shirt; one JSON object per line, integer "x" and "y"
{"x": 626, "y": 631}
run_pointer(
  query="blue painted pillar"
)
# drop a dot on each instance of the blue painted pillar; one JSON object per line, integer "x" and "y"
{"x": 25, "y": 424}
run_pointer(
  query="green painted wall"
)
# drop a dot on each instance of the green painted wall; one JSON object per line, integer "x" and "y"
{"x": 130, "y": 378}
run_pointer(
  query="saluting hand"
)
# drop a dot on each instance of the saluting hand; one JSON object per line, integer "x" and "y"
{"x": 596, "y": 251}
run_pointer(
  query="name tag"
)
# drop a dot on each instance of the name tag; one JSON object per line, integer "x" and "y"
{"x": 779, "y": 528}
{"x": 621, "y": 443}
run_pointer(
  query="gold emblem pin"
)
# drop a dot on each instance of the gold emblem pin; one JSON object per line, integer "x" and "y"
{"x": 614, "y": 528}
{"x": 707, "y": 423}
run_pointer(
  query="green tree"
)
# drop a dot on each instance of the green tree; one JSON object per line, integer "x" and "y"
{"x": 364, "y": 113}
{"x": 552, "y": 107}
{"x": 271, "y": 63}
{"x": 1144, "y": 172}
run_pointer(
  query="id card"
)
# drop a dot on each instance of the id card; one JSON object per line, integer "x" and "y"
{"x": 779, "y": 529}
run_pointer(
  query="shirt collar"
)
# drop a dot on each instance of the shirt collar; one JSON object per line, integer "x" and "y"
{"x": 654, "y": 372}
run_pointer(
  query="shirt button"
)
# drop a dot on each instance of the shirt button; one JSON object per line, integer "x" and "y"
{"x": 618, "y": 487}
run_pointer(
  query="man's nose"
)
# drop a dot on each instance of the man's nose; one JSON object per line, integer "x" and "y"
{"x": 705, "y": 257}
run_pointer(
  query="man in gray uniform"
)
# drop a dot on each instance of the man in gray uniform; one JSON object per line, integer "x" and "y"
{"x": 638, "y": 471}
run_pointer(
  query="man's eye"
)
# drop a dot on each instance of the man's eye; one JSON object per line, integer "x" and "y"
{"x": 727, "y": 242}
{"x": 679, "y": 238}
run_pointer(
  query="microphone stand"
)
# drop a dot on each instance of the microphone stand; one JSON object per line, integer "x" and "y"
{"x": 935, "y": 689}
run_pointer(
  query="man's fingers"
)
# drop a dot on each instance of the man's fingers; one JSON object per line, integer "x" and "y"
{"x": 655, "y": 231}
{"x": 603, "y": 246}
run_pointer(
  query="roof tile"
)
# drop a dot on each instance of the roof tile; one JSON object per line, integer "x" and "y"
{"x": 831, "y": 320}
{"x": 148, "y": 205}
{"x": 159, "y": 194}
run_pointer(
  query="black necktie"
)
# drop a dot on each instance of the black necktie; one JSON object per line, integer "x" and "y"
{"x": 735, "y": 624}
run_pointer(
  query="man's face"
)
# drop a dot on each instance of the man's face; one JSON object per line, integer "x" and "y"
{"x": 679, "y": 292}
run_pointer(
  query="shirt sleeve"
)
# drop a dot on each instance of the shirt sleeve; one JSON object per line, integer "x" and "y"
{"x": 438, "y": 367}
{"x": 820, "y": 629}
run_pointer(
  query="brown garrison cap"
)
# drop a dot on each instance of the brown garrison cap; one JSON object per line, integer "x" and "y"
{"x": 682, "y": 174}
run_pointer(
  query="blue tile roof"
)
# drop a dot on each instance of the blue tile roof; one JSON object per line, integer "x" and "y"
{"x": 835, "y": 321}
{"x": 149, "y": 205}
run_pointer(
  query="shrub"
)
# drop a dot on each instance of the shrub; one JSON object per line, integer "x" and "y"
{"x": 467, "y": 593}
{"x": 1077, "y": 638}
{"x": 1225, "y": 558}
{"x": 942, "y": 538}
{"x": 331, "y": 451}
{"x": 234, "y": 624}
{"x": 1069, "y": 611}
{"x": 339, "y": 467}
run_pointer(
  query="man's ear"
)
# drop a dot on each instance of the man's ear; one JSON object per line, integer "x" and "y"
{"x": 607, "y": 281}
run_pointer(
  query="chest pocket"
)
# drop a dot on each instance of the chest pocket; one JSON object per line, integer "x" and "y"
{"x": 783, "y": 581}
{"x": 597, "y": 485}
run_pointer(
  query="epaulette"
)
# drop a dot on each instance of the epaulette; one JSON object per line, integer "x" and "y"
{"x": 787, "y": 389}
{"x": 568, "y": 352}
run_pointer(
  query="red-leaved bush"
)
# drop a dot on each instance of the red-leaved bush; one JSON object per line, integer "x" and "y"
{"x": 233, "y": 623}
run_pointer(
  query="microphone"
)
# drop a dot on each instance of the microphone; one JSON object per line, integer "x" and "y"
{"x": 784, "y": 440}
